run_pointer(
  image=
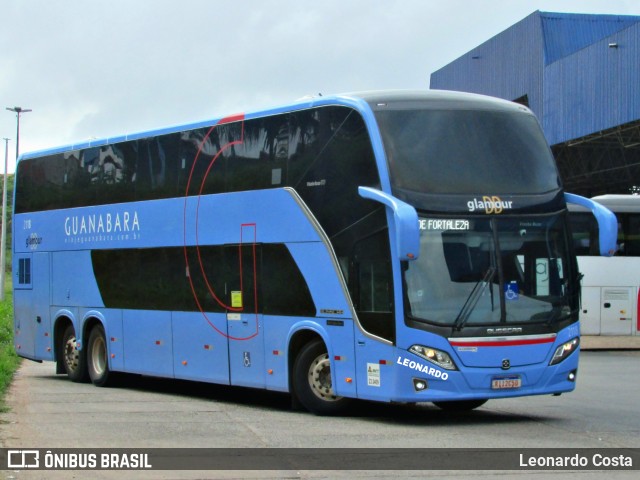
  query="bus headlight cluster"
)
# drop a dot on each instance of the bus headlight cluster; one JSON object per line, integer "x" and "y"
{"x": 564, "y": 350}
{"x": 435, "y": 356}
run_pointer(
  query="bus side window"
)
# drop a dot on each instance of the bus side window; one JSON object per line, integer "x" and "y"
{"x": 260, "y": 159}
{"x": 372, "y": 285}
{"x": 584, "y": 230}
{"x": 632, "y": 236}
{"x": 155, "y": 173}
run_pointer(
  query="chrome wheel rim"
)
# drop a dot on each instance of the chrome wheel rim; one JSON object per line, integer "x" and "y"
{"x": 319, "y": 377}
{"x": 71, "y": 354}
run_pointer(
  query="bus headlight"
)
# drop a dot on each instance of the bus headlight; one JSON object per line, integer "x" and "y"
{"x": 564, "y": 350}
{"x": 437, "y": 357}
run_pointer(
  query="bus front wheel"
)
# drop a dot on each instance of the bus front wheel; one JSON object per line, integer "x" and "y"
{"x": 312, "y": 381}
{"x": 97, "y": 360}
{"x": 74, "y": 360}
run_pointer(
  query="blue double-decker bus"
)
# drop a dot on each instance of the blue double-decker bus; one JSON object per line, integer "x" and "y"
{"x": 390, "y": 246}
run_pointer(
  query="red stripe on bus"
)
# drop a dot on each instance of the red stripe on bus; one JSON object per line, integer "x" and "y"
{"x": 504, "y": 343}
{"x": 238, "y": 117}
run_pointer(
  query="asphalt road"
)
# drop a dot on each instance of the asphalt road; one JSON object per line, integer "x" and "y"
{"x": 48, "y": 411}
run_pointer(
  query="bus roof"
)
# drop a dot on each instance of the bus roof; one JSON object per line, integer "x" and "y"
{"x": 620, "y": 203}
{"x": 432, "y": 99}
{"x": 438, "y": 99}
{"x": 616, "y": 203}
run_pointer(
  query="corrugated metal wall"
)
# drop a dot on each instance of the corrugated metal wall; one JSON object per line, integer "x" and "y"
{"x": 566, "y": 33}
{"x": 575, "y": 83}
{"x": 594, "y": 89}
{"x": 508, "y": 65}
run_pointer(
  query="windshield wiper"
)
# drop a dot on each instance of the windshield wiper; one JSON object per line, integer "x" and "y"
{"x": 472, "y": 299}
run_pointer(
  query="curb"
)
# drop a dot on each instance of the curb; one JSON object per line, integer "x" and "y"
{"x": 601, "y": 342}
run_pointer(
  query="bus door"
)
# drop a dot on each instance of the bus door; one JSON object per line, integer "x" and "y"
{"x": 617, "y": 310}
{"x": 244, "y": 321}
{"x": 31, "y": 302}
{"x": 590, "y": 314}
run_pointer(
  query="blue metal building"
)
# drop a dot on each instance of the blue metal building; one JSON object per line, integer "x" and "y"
{"x": 580, "y": 74}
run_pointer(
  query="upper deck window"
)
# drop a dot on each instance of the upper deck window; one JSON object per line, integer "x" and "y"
{"x": 467, "y": 151}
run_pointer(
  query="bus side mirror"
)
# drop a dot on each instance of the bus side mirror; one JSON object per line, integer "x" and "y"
{"x": 607, "y": 222}
{"x": 405, "y": 222}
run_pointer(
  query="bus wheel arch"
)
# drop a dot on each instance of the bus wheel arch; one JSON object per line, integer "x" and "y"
{"x": 310, "y": 375}
{"x": 69, "y": 359}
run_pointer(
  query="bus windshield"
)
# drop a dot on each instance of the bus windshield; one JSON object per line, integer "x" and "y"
{"x": 502, "y": 152}
{"x": 491, "y": 270}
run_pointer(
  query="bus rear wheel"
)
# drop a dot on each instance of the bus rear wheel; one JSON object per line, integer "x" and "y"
{"x": 460, "y": 405}
{"x": 312, "y": 381}
{"x": 97, "y": 360}
{"x": 73, "y": 360}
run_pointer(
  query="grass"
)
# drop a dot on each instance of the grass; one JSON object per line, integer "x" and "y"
{"x": 9, "y": 361}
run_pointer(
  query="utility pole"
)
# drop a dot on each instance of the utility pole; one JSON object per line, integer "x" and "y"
{"x": 3, "y": 241}
{"x": 3, "y": 257}
{"x": 18, "y": 111}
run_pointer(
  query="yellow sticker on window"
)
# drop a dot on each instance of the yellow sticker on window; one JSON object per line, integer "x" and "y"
{"x": 236, "y": 299}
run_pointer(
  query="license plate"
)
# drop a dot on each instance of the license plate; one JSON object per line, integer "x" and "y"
{"x": 505, "y": 383}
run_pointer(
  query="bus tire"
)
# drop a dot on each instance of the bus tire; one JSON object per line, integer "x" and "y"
{"x": 73, "y": 360}
{"x": 460, "y": 405}
{"x": 312, "y": 381}
{"x": 97, "y": 358}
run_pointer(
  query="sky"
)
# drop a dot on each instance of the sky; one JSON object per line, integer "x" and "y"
{"x": 98, "y": 68}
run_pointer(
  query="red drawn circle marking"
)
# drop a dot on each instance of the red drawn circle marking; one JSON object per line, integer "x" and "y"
{"x": 234, "y": 118}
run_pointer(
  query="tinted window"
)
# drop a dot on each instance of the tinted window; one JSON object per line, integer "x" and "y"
{"x": 371, "y": 284}
{"x": 219, "y": 278}
{"x": 467, "y": 152}
{"x": 158, "y": 167}
{"x": 24, "y": 271}
{"x": 330, "y": 168}
{"x": 324, "y": 153}
{"x": 632, "y": 236}
{"x": 40, "y": 183}
{"x": 584, "y": 230}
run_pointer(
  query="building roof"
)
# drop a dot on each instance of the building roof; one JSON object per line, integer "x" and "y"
{"x": 579, "y": 73}
{"x": 560, "y": 65}
{"x": 566, "y": 33}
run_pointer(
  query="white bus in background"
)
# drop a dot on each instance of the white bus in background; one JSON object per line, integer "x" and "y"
{"x": 610, "y": 303}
